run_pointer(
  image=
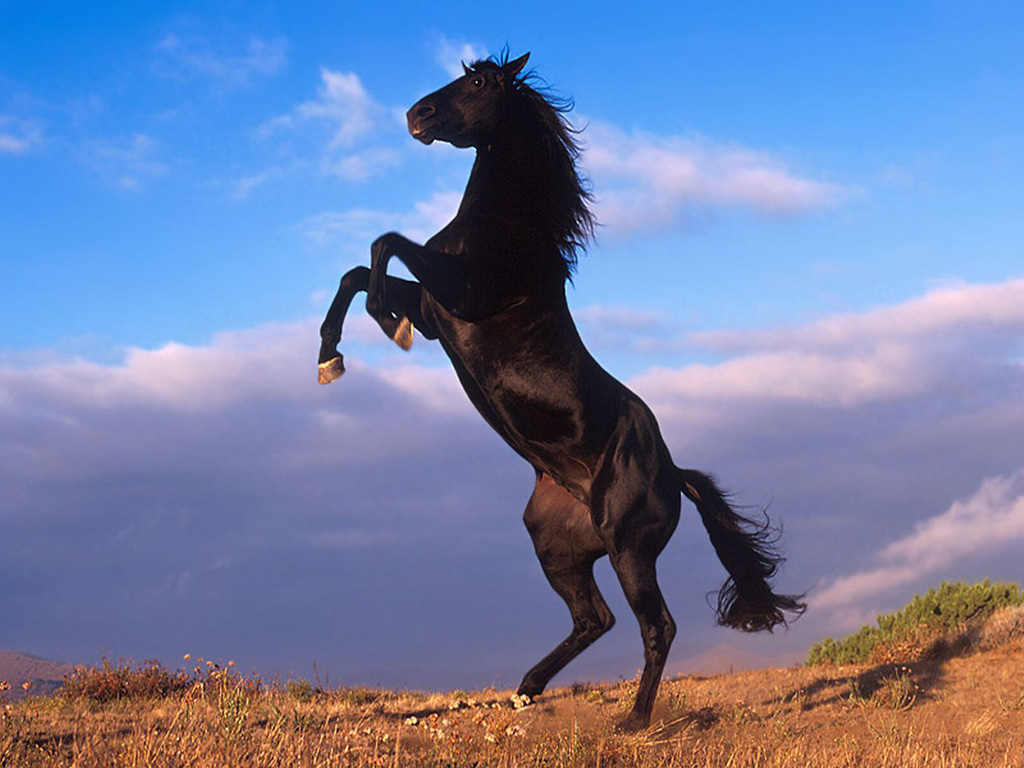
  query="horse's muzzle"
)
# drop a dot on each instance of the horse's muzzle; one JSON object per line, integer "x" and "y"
{"x": 421, "y": 121}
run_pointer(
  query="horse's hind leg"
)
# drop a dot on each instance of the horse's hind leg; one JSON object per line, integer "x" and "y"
{"x": 637, "y": 574}
{"x": 567, "y": 547}
{"x": 636, "y": 514}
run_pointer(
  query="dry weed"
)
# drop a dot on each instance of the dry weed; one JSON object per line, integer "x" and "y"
{"x": 768, "y": 719}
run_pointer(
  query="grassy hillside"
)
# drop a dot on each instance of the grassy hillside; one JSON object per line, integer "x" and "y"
{"x": 961, "y": 710}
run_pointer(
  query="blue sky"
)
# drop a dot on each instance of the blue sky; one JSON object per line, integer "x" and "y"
{"x": 809, "y": 265}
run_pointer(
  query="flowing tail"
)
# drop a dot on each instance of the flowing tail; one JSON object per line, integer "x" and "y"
{"x": 747, "y": 551}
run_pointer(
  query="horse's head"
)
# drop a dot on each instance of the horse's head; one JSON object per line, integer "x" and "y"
{"x": 465, "y": 112}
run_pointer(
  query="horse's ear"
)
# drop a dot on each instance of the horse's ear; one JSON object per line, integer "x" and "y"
{"x": 513, "y": 68}
{"x": 466, "y": 69}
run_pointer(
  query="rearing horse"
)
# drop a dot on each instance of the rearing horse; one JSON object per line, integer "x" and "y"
{"x": 491, "y": 289}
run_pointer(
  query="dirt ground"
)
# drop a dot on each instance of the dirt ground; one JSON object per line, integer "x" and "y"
{"x": 965, "y": 711}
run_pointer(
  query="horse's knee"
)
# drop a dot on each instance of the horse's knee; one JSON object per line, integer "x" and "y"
{"x": 591, "y": 626}
{"x": 605, "y": 623}
{"x": 373, "y": 305}
{"x": 356, "y": 277}
{"x": 355, "y": 280}
{"x": 658, "y": 637}
{"x": 668, "y": 631}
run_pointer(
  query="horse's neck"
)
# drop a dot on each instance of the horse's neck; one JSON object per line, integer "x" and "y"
{"x": 505, "y": 181}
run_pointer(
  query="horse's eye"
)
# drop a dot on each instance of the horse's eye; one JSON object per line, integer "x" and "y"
{"x": 477, "y": 82}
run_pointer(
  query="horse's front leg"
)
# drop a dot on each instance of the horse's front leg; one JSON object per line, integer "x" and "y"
{"x": 404, "y": 298}
{"x": 439, "y": 273}
{"x": 331, "y": 364}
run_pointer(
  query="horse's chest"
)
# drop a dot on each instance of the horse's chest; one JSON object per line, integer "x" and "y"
{"x": 522, "y": 393}
{"x": 526, "y": 390}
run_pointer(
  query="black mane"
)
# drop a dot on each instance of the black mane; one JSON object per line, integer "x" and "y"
{"x": 563, "y": 212}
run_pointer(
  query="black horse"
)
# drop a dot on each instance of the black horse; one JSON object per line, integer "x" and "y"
{"x": 491, "y": 289}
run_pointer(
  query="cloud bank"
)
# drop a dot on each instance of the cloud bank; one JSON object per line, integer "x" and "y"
{"x": 866, "y": 426}
{"x": 213, "y": 499}
{"x": 881, "y": 355}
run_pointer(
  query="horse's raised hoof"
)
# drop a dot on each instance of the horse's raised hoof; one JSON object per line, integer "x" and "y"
{"x": 331, "y": 370}
{"x": 632, "y": 723}
{"x": 403, "y": 336}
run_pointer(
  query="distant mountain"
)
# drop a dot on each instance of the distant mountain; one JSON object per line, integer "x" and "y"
{"x": 46, "y": 676}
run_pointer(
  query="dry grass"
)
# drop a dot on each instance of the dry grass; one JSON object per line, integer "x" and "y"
{"x": 939, "y": 713}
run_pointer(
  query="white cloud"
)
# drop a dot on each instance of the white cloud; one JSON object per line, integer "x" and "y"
{"x": 348, "y": 117}
{"x": 271, "y": 361}
{"x": 342, "y": 100}
{"x": 126, "y": 162}
{"x": 950, "y": 312}
{"x": 842, "y": 380}
{"x": 242, "y": 187}
{"x": 628, "y": 318}
{"x": 624, "y": 328}
{"x": 18, "y": 136}
{"x": 360, "y": 226}
{"x": 193, "y": 56}
{"x": 451, "y": 55}
{"x": 436, "y": 389}
{"x": 990, "y": 520}
{"x": 359, "y": 166}
{"x": 643, "y": 181}
{"x": 851, "y": 359}
{"x": 176, "y": 376}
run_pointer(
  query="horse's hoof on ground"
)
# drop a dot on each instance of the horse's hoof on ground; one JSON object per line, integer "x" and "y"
{"x": 521, "y": 700}
{"x": 631, "y": 724}
{"x": 331, "y": 370}
{"x": 403, "y": 336}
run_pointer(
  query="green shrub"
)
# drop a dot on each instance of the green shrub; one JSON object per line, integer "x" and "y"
{"x": 301, "y": 689}
{"x": 940, "y": 610}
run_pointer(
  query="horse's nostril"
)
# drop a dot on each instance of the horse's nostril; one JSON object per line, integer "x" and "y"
{"x": 425, "y": 110}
